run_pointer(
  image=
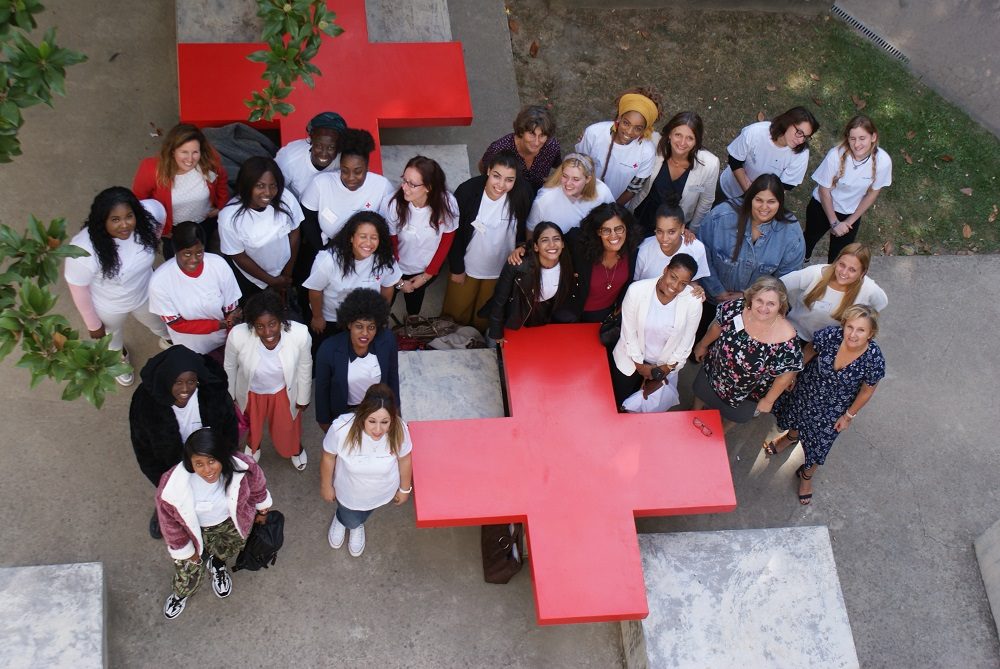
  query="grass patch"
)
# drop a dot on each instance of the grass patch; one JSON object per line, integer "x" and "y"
{"x": 731, "y": 66}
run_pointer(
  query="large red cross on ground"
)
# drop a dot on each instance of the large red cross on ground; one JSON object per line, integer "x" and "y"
{"x": 372, "y": 85}
{"x": 575, "y": 471}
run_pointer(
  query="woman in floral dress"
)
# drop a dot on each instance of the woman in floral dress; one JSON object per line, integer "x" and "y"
{"x": 843, "y": 366}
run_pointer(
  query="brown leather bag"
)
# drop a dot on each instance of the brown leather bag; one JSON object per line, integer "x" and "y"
{"x": 503, "y": 551}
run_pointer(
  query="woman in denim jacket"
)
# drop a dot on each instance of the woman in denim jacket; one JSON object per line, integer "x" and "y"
{"x": 746, "y": 239}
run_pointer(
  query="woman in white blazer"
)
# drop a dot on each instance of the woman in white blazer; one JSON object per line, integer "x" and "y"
{"x": 659, "y": 321}
{"x": 684, "y": 174}
{"x": 270, "y": 375}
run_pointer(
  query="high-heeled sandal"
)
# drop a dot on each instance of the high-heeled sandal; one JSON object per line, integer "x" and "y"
{"x": 771, "y": 447}
{"x": 801, "y": 473}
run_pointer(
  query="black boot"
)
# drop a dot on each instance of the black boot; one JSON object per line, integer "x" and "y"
{"x": 154, "y": 526}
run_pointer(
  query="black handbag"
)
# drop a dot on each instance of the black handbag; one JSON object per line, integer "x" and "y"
{"x": 611, "y": 328}
{"x": 263, "y": 543}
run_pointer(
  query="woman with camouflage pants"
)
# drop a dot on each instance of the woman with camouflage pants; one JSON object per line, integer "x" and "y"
{"x": 206, "y": 505}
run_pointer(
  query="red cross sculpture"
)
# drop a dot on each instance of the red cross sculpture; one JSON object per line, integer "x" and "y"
{"x": 572, "y": 469}
{"x": 372, "y": 85}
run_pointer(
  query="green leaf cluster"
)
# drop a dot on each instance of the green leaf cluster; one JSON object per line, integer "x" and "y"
{"x": 293, "y": 31}
{"x": 29, "y": 73}
{"x": 29, "y": 264}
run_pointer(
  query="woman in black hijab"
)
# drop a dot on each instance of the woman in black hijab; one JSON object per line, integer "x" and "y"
{"x": 181, "y": 392}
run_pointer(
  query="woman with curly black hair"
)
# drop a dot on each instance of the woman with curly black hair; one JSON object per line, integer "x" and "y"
{"x": 604, "y": 250}
{"x": 121, "y": 236}
{"x": 259, "y": 228}
{"x": 359, "y": 256}
{"x": 350, "y": 362}
{"x": 269, "y": 366}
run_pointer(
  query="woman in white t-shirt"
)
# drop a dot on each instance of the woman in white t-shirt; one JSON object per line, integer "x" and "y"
{"x": 120, "y": 235}
{"x": 849, "y": 180}
{"x": 669, "y": 239}
{"x": 492, "y": 210}
{"x": 259, "y": 228}
{"x": 366, "y": 464}
{"x": 569, "y": 194}
{"x": 779, "y": 147}
{"x": 422, "y": 217}
{"x": 269, "y": 367}
{"x": 301, "y": 160}
{"x": 622, "y": 150}
{"x": 359, "y": 256}
{"x": 818, "y": 295}
{"x": 195, "y": 293}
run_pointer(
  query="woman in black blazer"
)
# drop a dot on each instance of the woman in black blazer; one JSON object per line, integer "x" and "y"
{"x": 604, "y": 250}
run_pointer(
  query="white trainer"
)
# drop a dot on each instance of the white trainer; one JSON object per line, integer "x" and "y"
{"x": 336, "y": 534}
{"x": 356, "y": 546}
{"x": 164, "y": 344}
{"x": 128, "y": 378}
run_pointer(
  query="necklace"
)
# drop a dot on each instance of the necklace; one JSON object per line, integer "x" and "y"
{"x": 610, "y": 276}
{"x": 857, "y": 163}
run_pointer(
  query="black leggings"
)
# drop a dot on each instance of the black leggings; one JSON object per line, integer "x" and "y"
{"x": 415, "y": 300}
{"x": 818, "y": 225}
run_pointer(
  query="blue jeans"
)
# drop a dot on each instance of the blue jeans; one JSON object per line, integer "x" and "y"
{"x": 350, "y": 518}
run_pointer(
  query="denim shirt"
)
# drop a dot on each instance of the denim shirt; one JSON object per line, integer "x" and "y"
{"x": 779, "y": 249}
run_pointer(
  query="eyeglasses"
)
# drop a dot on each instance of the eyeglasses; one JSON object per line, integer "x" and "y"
{"x": 799, "y": 134}
{"x": 607, "y": 232}
{"x": 705, "y": 430}
{"x": 406, "y": 182}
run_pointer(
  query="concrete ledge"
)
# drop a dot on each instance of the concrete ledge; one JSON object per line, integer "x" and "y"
{"x": 53, "y": 616}
{"x": 988, "y": 555}
{"x": 786, "y": 6}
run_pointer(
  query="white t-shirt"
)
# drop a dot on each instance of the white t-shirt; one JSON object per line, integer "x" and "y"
{"x": 659, "y": 327}
{"x": 297, "y": 168}
{"x": 189, "y": 199}
{"x": 366, "y": 477}
{"x": 362, "y": 374}
{"x": 418, "y": 241}
{"x": 269, "y": 376}
{"x": 174, "y": 293}
{"x": 807, "y": 321}
{"x": 123, "y": 293}
{"x": 760, "y": 155}
{"x": 856, "y": 180}
{"x": 334, "y": 203}
{"x": 493, "y": 238}
{"x": 651, "y": 260}
{"x": 210, "y": 504}
{"x": 262, "y": 235}
{"x": 627, "y": 162}
{"x": 549, "y": 282}
{"x": 551, "y": 204}
{"x": 327, "y": 276}
{"x": 188, "y": 416}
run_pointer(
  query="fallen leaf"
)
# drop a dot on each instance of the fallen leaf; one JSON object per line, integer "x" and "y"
{"x": 907, "y": 249}
{"x": 643, "y": 33}
{"x": 814, "y": 76}
{"x": 911, "y": 134}
{"x": 771, "y": 87}
{"x": 113, "y": 56}
{"x": 966, "y": 191}
{"x": 817, "y": 102}
{"x": 533, "y": 49}
{"x": 859, "y": 104}
{"x": 761, "y": 116}
{"x": 514, "y": 26}
{"x": 944, "y": 157}
{"x": 888, "y": 248}
{"x": 906, "y": 157}
{"x": 966, "y": 230}
{"x": 993, "y": 214}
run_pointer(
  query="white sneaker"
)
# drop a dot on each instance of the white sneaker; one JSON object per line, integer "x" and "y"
{"x": 165, "y": 343}
{"x": 301, "y": 460}
{"x": 336, "y": 534}
{"x": 174, "y": 606}
{"x": 356, "y": 546}
{"x": 127, "y": 379}
{"x": 222, "y": 584}
{"x": 253, "y": 454}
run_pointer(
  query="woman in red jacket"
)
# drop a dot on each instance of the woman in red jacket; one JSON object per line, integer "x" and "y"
{"x": 187, "y": 178}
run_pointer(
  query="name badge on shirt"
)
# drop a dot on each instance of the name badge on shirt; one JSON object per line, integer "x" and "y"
{"x": 328, "y": 216}
{"x": 479, "y": 226}
{"x": 738, "y": 322}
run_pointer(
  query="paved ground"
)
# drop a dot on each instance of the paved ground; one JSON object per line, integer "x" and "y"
{"x": 905, "y": 493}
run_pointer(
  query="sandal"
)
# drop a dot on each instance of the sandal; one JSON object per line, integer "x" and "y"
{"x": 771, "y": 447}
{"x": 801, "y": 473}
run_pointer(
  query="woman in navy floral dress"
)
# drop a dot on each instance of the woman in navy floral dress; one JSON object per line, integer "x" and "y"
{"x": 844, "y": 365}
{"x": 753, "y": 354}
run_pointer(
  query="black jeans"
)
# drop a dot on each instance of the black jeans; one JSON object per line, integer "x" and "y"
{"x": 817, "y": 225}
{"x": 415, "y": 300}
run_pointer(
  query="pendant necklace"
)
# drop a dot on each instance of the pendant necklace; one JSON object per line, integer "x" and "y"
{"x": 610, "y": 276}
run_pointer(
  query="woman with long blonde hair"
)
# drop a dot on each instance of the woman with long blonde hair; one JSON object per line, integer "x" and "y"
{"x": 569, "y": 194}
{"x": 849, "y": 180}
{"x": 820, "y": 294}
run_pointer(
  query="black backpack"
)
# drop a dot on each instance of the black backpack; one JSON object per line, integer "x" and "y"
{"x": 263, "y": 544}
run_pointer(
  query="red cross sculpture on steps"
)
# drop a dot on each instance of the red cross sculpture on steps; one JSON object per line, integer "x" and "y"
{"x": 372, "y": 85}
{"x": 572, "y": 469}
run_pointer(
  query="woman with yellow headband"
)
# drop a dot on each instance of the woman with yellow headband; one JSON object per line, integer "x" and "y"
{"x": 622, "y": 150}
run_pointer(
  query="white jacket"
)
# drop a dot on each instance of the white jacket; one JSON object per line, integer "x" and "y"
{"x": 699, "y": 189}
{"x": 632, "y": 343}
{"x": 242, "y": 358}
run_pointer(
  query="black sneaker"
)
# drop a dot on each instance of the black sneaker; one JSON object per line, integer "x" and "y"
{"x": 154, "y": 526}
{"x": 222, "y": 583}
{"x": 174, "y": 606}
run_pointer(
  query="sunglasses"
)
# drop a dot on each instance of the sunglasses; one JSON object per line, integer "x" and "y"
{"x": 705, "y": 430}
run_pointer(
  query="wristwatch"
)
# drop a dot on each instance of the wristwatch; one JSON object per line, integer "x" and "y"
{"x": 657, "y": 373}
